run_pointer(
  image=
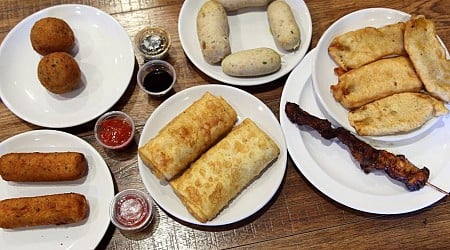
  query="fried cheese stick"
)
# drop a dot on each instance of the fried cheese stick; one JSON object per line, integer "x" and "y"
{"x": 36, "y": 166}
{"x": 55, "y": 209}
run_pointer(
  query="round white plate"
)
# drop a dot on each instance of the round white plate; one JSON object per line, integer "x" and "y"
{"x": 249, "y": 28}
{"x": 329, "y": 166}
{"x": 323, "y": 71}
{"x": 247, "y": 106}
{"x": 97, "y": 186}
{"x": 103, "y": 51}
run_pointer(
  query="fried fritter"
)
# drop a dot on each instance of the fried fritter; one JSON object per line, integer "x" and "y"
{"x": 59, "y": 73}
{"x": 51, "y": 34}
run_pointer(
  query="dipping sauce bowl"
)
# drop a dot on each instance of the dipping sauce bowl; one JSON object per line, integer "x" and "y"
{"x": 156, "y": 77}
{"x": 131, "y": 210}
{"x": 114, "y": 130}
{"x": 152, "y": 43}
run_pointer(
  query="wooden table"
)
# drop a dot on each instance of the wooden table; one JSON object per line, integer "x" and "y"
{"x": 299, "y": 216}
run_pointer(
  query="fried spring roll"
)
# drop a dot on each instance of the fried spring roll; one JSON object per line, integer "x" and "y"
{"x": 188, "y": 135}
{"x": 55, "y": 209}
{"x": 221, "y": 173}
{"x": 36, "y": 166}
{"x": 356, "y": 48}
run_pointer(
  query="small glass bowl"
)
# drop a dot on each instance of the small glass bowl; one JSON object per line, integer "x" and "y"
{"x": 131, "y": 210}
{"x": 156, "y": 77}
{"x": 114, "y": 130}
{"x": 152, "y": 43}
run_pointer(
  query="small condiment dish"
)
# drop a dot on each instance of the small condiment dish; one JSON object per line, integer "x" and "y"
{"x": 114, "y": 130}
{"x": 152, "y": 43}
{"x": 156, "y": 77}
{"x": 131, "y": 210}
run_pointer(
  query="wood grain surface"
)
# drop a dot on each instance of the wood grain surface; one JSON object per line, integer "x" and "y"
{"x": 299, "y": 216}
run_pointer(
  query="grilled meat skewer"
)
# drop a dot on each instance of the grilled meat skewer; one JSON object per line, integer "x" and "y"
{"x": 395, "y": 166}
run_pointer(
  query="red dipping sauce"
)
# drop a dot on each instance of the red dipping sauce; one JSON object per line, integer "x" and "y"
{"x": 131, "y": 210}
{"x": 114, "y": 130}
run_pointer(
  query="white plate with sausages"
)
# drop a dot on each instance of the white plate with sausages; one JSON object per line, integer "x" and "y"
{"x": 96, "y": 186}
{"x": 329, "y": 166}
{"x": 103, "y": 51}
{"x": 249, "y": 29}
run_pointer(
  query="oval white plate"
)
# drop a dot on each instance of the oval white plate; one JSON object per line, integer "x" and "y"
{"x": 103, "y": 51}
{"x": 249, "y": 29}
{"x": 251, "y": 199}
{"x": 97, "y": 186}
{"x": 329, "y": 166}
{"x": 323, "y": 71}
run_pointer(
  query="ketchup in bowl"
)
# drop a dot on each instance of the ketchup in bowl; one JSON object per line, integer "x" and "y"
{"x": 114, "y": 130}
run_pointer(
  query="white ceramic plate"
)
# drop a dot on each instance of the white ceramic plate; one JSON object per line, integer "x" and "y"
{"x": 323, "y": 71}
{"x": 329, "y": 166}
{"x": 97, "y": 186}
{"x": 249, "y": 28}
{"x": 252, "y": 198}
{"x": 103, "y": 52}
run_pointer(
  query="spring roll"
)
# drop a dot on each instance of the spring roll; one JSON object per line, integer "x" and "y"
{"x": 376, "y": 80}
{"x": 188, "y": 135}
{"x": 55, "y": 209}
{"x": 37, "y": 166}
{"x": 221, "y": 173}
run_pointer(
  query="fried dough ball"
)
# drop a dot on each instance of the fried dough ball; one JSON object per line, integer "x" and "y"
{"x": 59, "y": 73}
{"x": 51, "y": 34}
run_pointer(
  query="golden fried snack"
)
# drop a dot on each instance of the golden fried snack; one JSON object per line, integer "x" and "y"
{"x": 394, "y": 114}
{"x": 221, "y": 173}
{"x": 59, "y": 73}
{"x": 188, "y": 135}
{"x": 36, "y": 166}
{"x": 55, "y": 209}
{"x": 359, "y": 47}
{"x": 376, "y": 80}
{"x": 51, "y": 34}
{"x": 428, "y": 56}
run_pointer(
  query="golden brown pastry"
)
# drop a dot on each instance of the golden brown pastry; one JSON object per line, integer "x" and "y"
{"x": 51, "y": 34}
{"x": 53, "y": 209}
{"x": 359, "y": 47}
{"x": 36, "y": 166}
{"x": 398, "y": 113}
{"x": 188, "y": 135}
{"x": 428, "y": 56}
{"x": 59, "y": 73}
{"x": 221, "y": 173}
{"x": 376, "y": 80}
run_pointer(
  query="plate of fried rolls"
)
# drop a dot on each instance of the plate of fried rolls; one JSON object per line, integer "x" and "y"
{"x": 212, "y": 155}
{"x": 56, "y": 191}
{"x": 373, "y": 74}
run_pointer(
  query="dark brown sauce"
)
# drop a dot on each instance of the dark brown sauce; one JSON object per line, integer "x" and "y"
{"x": 157, "y": 81}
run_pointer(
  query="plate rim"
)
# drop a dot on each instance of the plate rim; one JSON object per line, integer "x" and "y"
{"x": 105, "y": 219}
{"x": 239, "y": 81}
{"x": 24, "y": 21}
{"x": 214, "y": 88}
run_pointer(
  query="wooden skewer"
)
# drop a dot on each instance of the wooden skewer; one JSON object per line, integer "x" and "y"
{"x": 437, "y": 188}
